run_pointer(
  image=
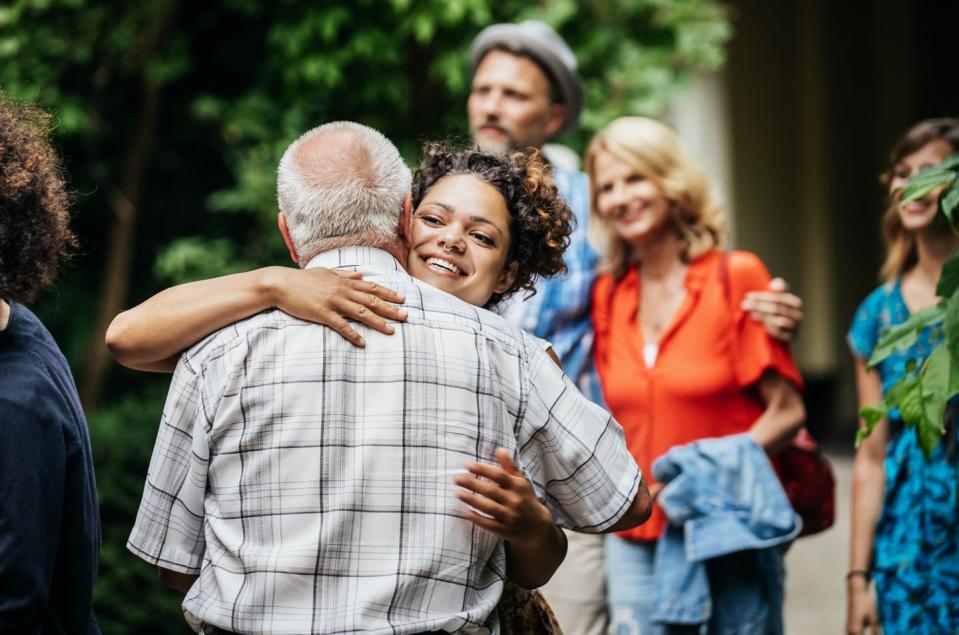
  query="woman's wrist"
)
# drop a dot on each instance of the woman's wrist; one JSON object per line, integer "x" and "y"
{"x": 858, "y": 578}
{"x": 269, "y": 285}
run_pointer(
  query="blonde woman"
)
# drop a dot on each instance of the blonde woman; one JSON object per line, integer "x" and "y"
{"x": 678, "y": 359}
{"x": 905, "y": 523}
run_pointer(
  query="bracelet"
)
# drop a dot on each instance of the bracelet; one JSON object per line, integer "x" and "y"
{"x": 867, "y": 576}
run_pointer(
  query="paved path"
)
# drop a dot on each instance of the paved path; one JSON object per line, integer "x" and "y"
{"x": 816, "y": 566}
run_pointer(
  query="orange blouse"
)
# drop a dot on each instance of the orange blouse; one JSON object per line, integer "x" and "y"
{"x": 702, "y": 381}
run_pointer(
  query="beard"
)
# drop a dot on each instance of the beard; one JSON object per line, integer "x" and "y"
{"x": 503, "y": 145}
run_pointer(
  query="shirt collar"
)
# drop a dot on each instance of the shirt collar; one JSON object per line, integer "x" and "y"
{"x": 355, "y": 257}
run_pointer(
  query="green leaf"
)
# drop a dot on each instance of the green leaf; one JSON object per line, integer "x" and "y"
{"x": 948, "y": 204}
{"x": 951, "y": 326}
{"x": 949, "y": 278}
{"x": 872, "y": 415}
{"x": 903, "y": 335}
{"x": 906, "y": 396}
{"x": 925, "y": 181}
{"x": 911, "y": 366}
{"x": 951, "y": 162}
{"x": 935, "y": 379}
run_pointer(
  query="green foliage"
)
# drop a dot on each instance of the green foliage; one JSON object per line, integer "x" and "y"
{"x": 926, "y": 181}
{"x": 872, "y": 415}
{"x": 195, "y": 258}
{"x": 230, "y": 84}
{"x": 921, "y": 398}
{"x": 902, "y": 336}
{"x": 128, "y": 596}
{"x": 949, "y": 279}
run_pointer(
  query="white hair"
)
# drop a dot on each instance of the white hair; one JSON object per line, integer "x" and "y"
{"x": 339, "y": 182}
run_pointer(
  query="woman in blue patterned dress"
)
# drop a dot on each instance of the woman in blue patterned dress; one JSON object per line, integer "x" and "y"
{"x": 905, "y": 520}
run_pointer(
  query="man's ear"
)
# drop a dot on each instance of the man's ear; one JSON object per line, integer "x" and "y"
{"x": 557, "y": 114}
{"x": 285, "y": 232}
{"x": 506, "y": 277}
{"x": 405, "y": 230}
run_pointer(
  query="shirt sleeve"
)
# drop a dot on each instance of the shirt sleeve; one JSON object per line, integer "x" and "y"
{"x": 169, "y": 528}
{"x": 756, "y": 351}
{"x": 864, "y": 332}
{"x": 574, "y": 452}
{"x": 32, "y": 472}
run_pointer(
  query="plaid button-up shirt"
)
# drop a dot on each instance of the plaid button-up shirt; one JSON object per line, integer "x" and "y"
{"x": 309, "y": 482}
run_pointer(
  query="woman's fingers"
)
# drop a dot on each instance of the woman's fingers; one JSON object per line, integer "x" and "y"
{"x": 483, "y": 487}
{"x": 373, "y": 289}
{"x": 336, "y": 322}
{"x": 376, "y": 305}
{"x": 482, "y": 504}
{"x": 350, "y": 308}
{"x": 489, "y": 524}
{"x": 349, "y": 275}
{"x": 506, "y": 462}
{"x": 333, "y": 297}
{"x": 773, "y": 304}
{"x": 494, "y": 473}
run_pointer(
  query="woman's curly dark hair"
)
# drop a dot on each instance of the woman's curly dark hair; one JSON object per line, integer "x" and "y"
{"x": 540, "y": 219}
{"x": 35, "y": 231}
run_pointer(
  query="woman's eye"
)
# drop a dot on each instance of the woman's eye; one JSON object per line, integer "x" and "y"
{"x": 430, "y": 220}
{"x": 634, "y": 178}
{"x": 483, "y": 238}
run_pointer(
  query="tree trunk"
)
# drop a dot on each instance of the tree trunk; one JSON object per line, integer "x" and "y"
{"x": 125, "y": 201}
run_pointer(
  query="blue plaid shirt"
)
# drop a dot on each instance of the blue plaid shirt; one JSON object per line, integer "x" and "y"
{"x": 559, "y": 312}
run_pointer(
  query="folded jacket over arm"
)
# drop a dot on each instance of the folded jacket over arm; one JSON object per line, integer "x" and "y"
{"x": 721, "y": 497}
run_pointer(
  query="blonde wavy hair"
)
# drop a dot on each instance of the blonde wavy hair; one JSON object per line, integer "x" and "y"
{"x": 656, "y": 153}
{"x": 900, "y": 243}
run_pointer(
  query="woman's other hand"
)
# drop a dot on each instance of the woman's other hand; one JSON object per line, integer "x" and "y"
{"x": 331, "y": 297}
{"x": 779, "y": 311}
{"x": 503, "y": 501}
{"x": 862, "y": 618}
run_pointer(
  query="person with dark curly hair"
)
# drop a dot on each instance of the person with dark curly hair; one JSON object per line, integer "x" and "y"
{"x": 49, "y": 519}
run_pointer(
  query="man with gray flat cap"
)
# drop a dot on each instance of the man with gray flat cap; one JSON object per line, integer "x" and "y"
{"x": 526, "y": 91}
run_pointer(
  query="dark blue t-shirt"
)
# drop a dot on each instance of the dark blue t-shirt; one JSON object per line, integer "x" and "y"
{"x": 49, "y": 517}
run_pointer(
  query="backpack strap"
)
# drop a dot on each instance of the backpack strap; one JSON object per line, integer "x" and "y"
{"x": 724, "y": 276}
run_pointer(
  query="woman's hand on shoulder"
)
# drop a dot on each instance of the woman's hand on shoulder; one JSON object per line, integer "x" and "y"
{"x": 332, "y": 297}
{"x": 779, "y": 311}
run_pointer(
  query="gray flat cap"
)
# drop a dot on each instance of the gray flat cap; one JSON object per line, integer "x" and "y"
{"x": 540, "y": 42}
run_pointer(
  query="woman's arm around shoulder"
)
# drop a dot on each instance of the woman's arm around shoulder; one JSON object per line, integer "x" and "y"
{"x": 767, "y": 300}
{"x": 151, "y": 335}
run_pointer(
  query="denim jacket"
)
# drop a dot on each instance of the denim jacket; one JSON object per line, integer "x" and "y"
{"x": 721, "y": 497}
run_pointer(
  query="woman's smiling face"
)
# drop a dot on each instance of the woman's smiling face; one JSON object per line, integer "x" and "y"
{"x": 920, "y": 213}
{"x": 633, "y": 205}
{"x": 460, "y": 239}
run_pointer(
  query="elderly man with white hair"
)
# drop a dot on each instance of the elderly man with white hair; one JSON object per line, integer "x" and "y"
{"x": 300, "y": 484}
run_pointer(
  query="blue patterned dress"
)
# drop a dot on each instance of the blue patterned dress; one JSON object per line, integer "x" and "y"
{"x": 916, "y": 556}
